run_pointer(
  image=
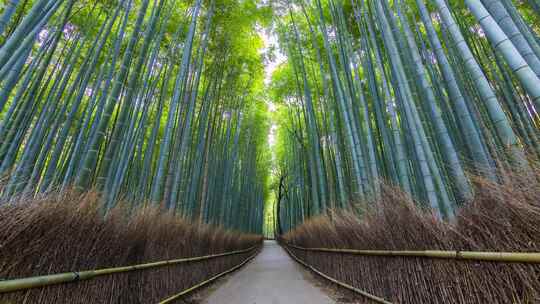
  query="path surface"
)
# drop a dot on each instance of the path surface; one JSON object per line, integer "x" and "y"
{"x": 271, "y": 278}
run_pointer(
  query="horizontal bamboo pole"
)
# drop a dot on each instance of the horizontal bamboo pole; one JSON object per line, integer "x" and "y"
{"x": 184, "y": 292}
{"x": 68, "y": 277}
{"x": 511, "y": 257}
{"x": 345, "y": 285}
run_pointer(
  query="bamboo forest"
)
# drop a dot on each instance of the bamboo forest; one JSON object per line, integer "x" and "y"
{"x": 269, "y": 151}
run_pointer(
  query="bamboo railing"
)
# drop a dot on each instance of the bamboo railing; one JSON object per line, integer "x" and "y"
{"x": 184, "y": 292}
{"x": 342, "y": 284}
{"x": 69, "y": 277}
{"x": 509, "y": 257}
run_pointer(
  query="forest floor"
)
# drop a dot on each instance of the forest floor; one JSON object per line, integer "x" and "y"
{"x": 271, "y": 278}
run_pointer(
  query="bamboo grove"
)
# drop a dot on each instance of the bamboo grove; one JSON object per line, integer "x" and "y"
{"x": 155, "y": 102}
{"x": 420, "y": 94}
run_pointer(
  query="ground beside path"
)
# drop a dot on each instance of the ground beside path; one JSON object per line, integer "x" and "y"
{"x": 271, "y": 278}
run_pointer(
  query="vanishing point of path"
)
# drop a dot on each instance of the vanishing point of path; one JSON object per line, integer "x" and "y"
{"x": 271, "y": 278}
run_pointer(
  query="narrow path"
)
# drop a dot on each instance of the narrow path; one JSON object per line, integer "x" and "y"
{"x": 271, "y": 278}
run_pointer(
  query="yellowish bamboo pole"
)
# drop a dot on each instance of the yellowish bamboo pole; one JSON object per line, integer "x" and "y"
{"x": 511, "y": 257}
{"x": 67, "y": 277}
{"x": 345, "y": 285}
{"x": 184, "y": 292}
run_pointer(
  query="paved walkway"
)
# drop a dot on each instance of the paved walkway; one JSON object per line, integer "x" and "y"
{"x": 271, "y": 278}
